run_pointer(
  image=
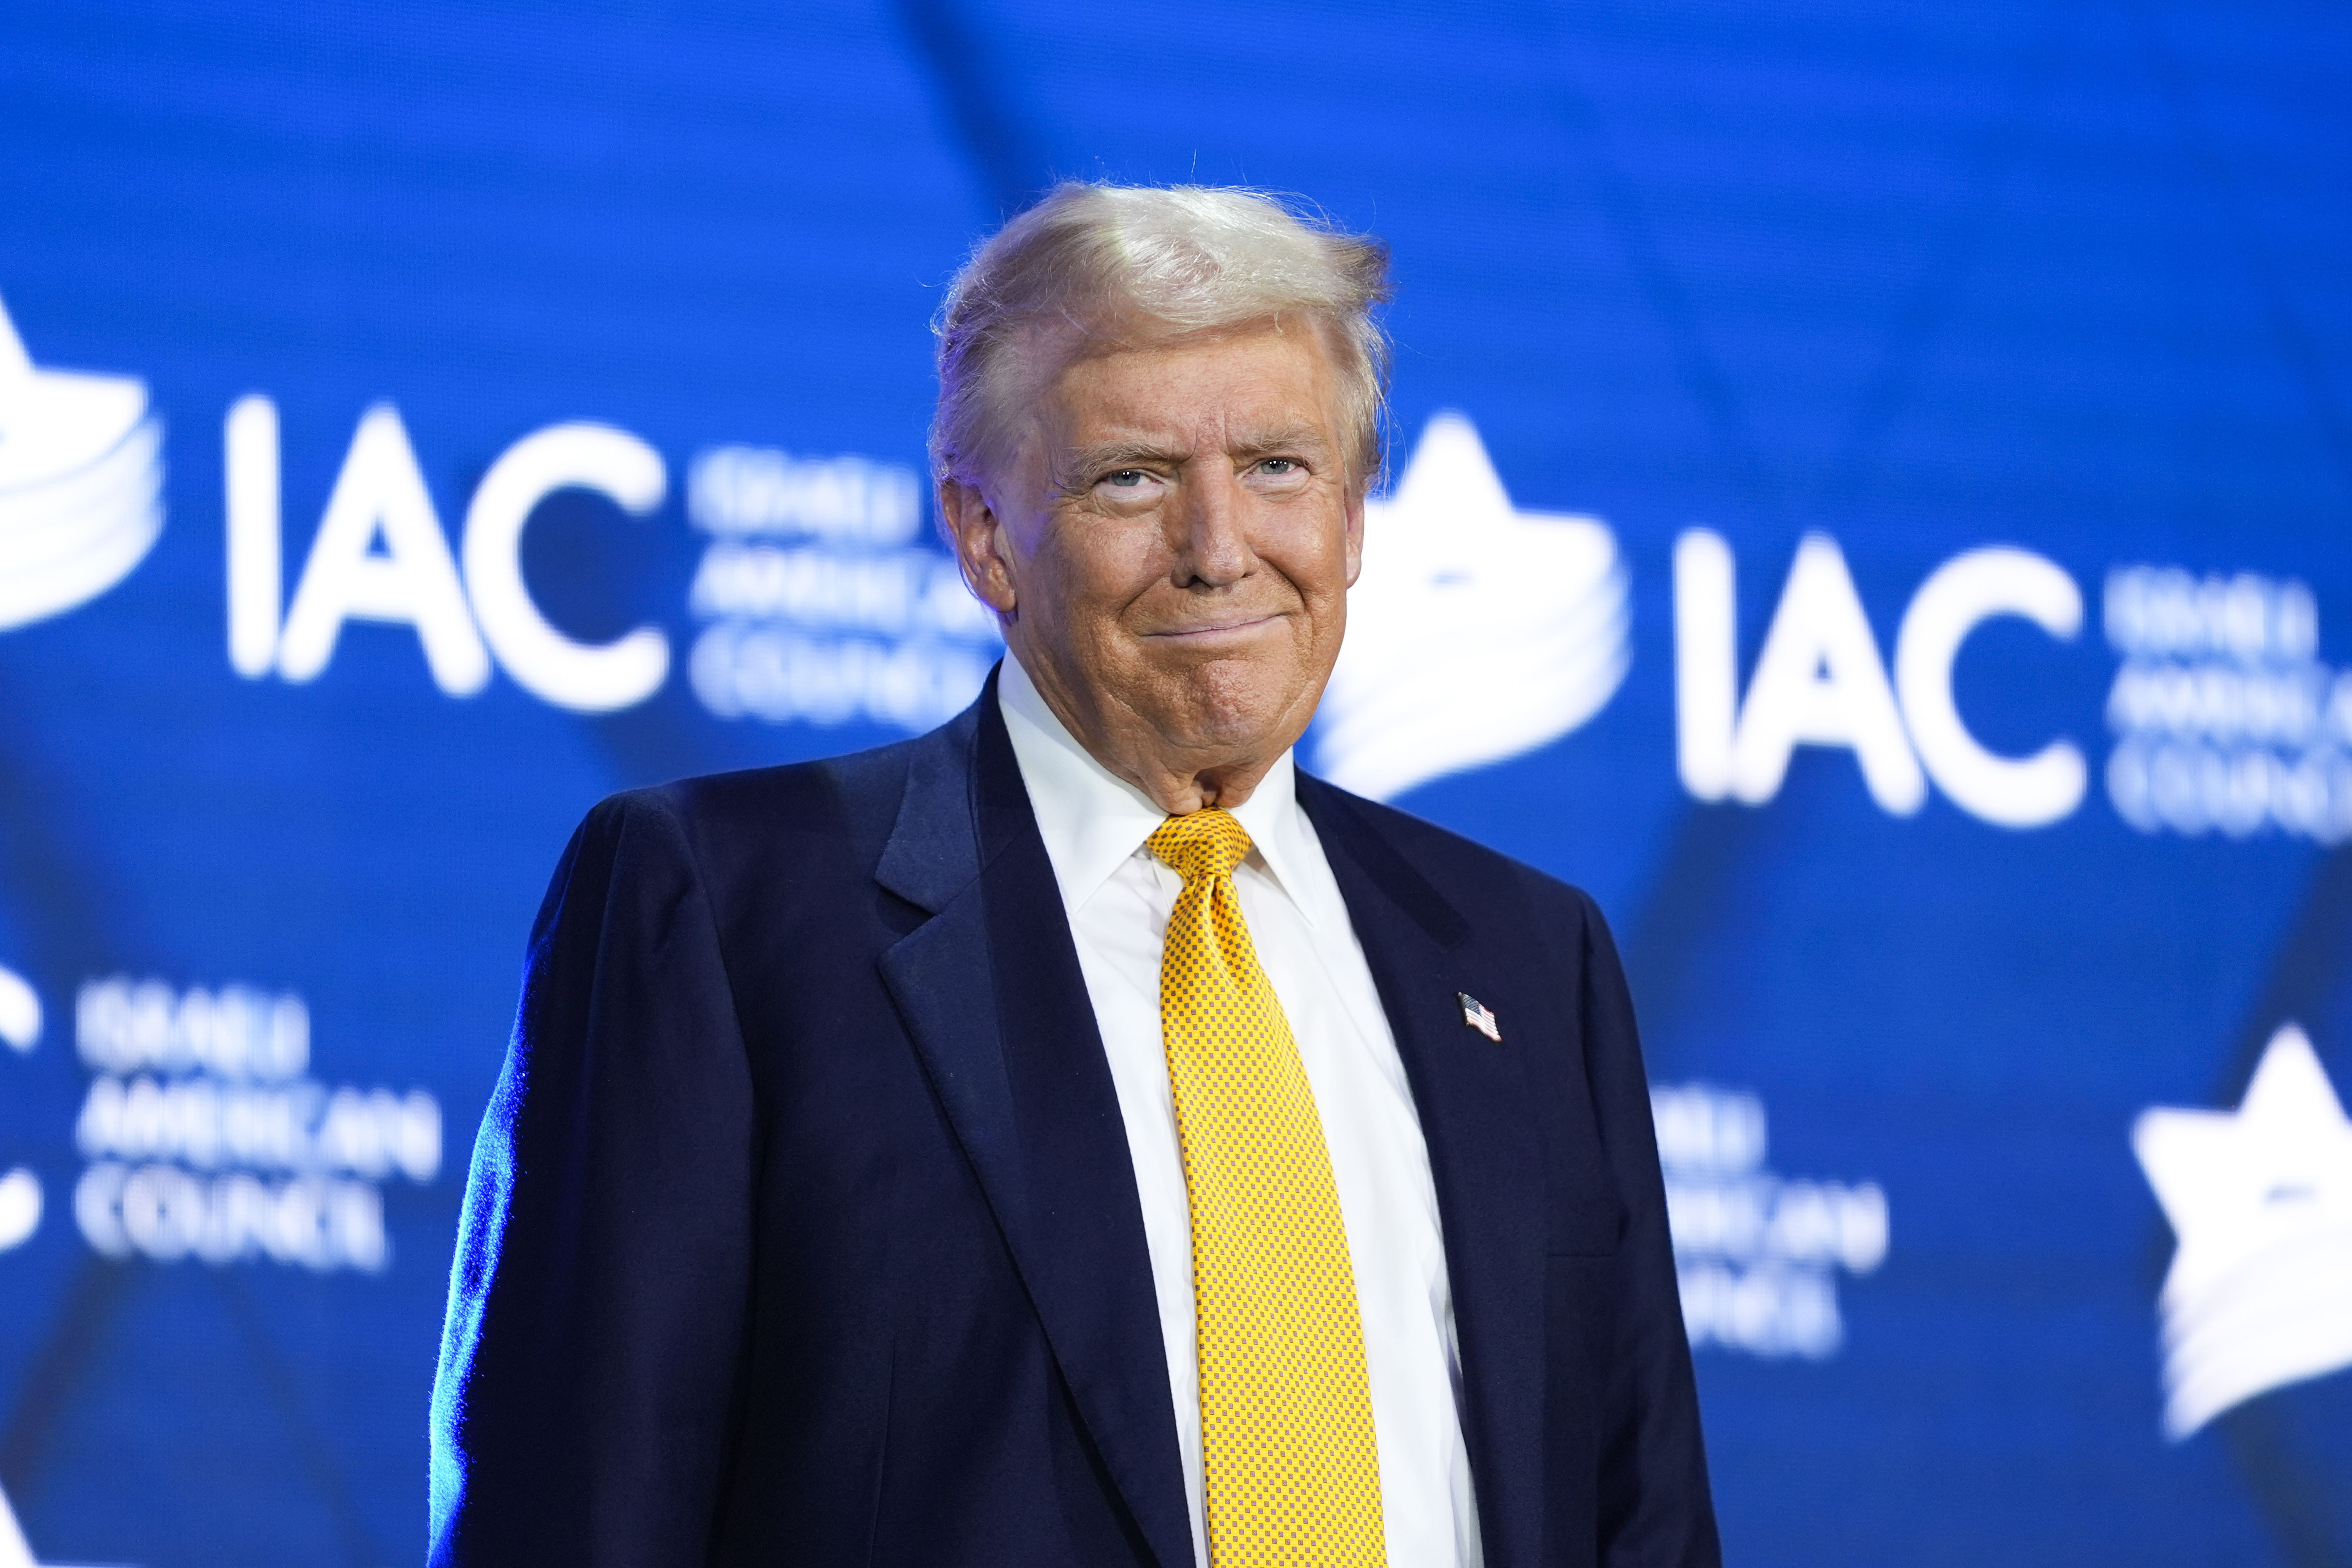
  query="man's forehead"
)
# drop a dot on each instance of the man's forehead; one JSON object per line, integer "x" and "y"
{"x": 1217, "y": 397}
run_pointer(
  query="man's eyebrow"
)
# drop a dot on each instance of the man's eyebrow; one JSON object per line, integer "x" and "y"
{"x": 1111, "y": 454}
{"x": 1288, "y": 438}
{"x": 1076, "y": 473}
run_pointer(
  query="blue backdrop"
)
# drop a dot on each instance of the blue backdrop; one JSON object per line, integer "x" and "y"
{"x": 1868, "y": 503}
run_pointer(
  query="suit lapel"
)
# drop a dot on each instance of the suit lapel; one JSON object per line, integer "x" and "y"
{"x": 1026, "y": 1083}
{"x": 1474, "y": 1103}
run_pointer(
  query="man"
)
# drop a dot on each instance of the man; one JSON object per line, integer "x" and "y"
{"x": 1076, "y": 1137}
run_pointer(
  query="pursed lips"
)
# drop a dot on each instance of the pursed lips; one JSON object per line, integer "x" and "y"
{"x": 1216, "y": 627}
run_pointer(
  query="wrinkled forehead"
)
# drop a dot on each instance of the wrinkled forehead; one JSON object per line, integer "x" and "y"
{"x": 1145, "y": 380}
{"x": 1056, "y": 343}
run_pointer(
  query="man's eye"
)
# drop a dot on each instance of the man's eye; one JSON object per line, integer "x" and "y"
{"x": 1125, "y": 479}
{"x": 1280, "y": 466}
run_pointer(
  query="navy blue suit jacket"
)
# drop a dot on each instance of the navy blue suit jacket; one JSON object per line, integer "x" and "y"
{"x": 802, "y": 1229}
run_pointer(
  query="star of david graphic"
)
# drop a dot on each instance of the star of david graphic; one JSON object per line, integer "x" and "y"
{"x": 1477, "y": 631}
{"x": 2260, "y": 1292}
{"x": 81, "y": 476}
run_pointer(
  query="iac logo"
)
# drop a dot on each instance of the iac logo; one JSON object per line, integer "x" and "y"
{"x": 1479, "y": 632}
{"x": 380, "y": 555}
{"x": 819, "y": 602}
{"x": 1820, "y": 681}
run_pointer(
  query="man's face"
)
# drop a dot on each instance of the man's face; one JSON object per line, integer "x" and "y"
{"x": 1174, "y": 546}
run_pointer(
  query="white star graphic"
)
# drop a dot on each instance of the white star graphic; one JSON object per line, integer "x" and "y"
{"x": 2260, "y": 1292}
{"x": 81, "y": 477}
{"x": 1476, "y": 632}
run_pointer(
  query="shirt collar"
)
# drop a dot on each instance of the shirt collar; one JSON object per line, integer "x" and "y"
{"x": 1092, "y": 820}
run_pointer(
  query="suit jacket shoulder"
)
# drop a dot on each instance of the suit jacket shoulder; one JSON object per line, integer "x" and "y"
{"x": 833, "y": 804}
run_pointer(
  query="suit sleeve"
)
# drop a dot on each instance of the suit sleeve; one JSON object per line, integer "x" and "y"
{"x": 592, "y": 1360}
{"x": 1655, "y": 1509}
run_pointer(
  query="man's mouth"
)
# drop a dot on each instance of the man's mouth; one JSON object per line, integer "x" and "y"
{"x": 1216, "y": 628}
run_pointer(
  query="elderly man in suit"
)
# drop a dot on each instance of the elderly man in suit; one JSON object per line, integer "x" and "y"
{"x": 1077, "y": 1136}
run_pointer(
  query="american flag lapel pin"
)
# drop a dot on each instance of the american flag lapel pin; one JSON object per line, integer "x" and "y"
{"x": 1480, "y": 1017}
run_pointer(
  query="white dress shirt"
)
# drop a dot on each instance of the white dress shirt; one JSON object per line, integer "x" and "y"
{"x": 1119, "y": 897}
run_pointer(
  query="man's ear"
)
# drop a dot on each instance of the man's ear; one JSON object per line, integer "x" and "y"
{"x": 979, "y": 539}
{"x": 1354, "y": 506}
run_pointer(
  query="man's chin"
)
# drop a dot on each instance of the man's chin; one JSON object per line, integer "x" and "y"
{"x": 1237, "y": 714}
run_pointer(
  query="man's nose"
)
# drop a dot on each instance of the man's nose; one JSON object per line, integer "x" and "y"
{"x": 1209, "y": 525}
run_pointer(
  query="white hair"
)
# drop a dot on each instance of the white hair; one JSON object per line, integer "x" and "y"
{"x": 1096, "y": 264}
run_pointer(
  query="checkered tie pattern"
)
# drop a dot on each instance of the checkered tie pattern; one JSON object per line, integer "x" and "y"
{"x": 1291, "y": 1467}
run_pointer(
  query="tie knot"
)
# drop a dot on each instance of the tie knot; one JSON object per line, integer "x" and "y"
{"x": 1206, "y": 843}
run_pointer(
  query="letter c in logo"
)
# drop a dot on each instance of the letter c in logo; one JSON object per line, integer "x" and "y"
{"x": 1962, "y": 594}
{"x": 585, "y": 677}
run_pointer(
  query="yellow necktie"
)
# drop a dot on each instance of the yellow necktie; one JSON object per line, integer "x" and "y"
{"x": 1291, "y": 1467}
